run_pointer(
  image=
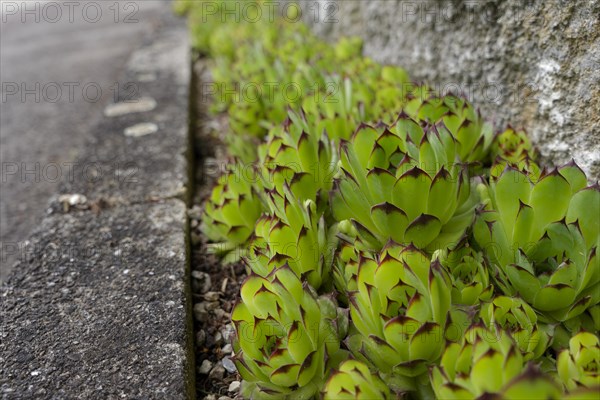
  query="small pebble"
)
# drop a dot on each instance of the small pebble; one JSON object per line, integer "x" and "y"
{"x": 200, "y": 337}
{"x": 220, "y": 313}
{"x": 195, "y": 212}
{"x": 217, "y": 373}
{"x": 212, "y": 305}
{"x": 73, "y": 199}
{"x": 224, "y": 285}
{"x": 142, "y": 129}
{"x": 211, "y": 296}
{"x": 234, "y": 386}
{"x": 228, "y": 332}
{"x": 229, "y": 365}
{"x": 226, "y": 349}
{"x": 210, "y": 397}
{"x": 218, "y": 338}
{"x": 200, "y": 312}
{"x": 225, "y": 398}
{"x": 201, "y": 282}
{"x": 143, "y": 104}
{"x": 205, "y": 367}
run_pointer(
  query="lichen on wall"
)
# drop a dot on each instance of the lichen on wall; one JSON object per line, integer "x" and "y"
{"x": 534, "y": 64}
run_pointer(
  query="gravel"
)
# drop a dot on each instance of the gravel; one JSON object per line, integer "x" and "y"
{"x": 234, "y": 386}
{"x": 217, "y": 372}
{"x": 206, "y": 367}
{"x": 228, "y": 365}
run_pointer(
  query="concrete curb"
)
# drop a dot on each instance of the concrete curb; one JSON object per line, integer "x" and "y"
{"x": 98, "y": 306}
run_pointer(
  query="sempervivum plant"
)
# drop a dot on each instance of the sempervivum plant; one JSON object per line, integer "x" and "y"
{"x": 399, "y": 311}
{"x": 542, "y": 238}
{"x": 334, "y": 108}
{"x": 403, "y": 186}
{"x": 353, "y": 380}
{"x": 473, "y": 135}
{"x": 287, "y": 339}
{"x": 470, "y": 278}
{"x": 295, "y": 154}
{"x": 513, "y": 148}
{"x": 579, "y": 365}
{"x": 231, "y": 212}
{"x": 294, "y": 234}
{"x": 487, "y": 362}
{"x": 512, "y": 145}
{"x": 343, "y": 102}
{"x": 526, "y": 165}
{"x": 518, "y": 318}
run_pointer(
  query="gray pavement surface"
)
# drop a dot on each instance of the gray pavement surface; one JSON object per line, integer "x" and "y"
{"x": 59, "y": 63}
{"x": 99, "y": 313}
{"x": 98, "y": 304}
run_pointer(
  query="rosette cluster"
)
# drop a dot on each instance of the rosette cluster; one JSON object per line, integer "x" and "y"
{"x": 395, "y": 245}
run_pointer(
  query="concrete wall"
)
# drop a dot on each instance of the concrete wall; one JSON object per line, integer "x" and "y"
{"x": 535, "y": 64}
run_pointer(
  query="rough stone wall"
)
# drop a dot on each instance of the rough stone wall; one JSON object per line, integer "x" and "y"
{"x": 534, "y": 64}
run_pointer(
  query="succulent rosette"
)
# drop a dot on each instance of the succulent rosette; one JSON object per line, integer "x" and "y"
{"x": 526, "y": 165}
{"x": 399, "y": 311}
{"x": 542, "y": 239}
{"x": 287, "y": 339}
{"x": 338, "y": 106}
{"x": 520, "y": 320}
{"x": 487, "y": 362}
{"x": 473, "y": 135}
{"x": 296, "y": 155}
{"x": 579, "y": 365}
{"x": 470, "y": 278}
{"x": 295, "y": 234}
{"x": 403, "y": 186}
{"x": 513, "y": 146}
{"x": 231, "y": 212}
{"x": 353, "y": 380}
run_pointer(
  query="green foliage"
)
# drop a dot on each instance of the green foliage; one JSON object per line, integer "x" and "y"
{"x": 403, "y": 183}
{"x": 513, "y": 146}
{"x": 516, "y": 317}
{"x": 470, "y": 278}
{"x": 287, "y": 339}
{"x": 297, "y": 155}
{"x": 399, "y": 311}
{"x": 487, "y": 361}
{"x": 353, "y": 380}
{"x": 578, "y": 366}
{"x": 294, "y": 235}
{"x": 542, "y": 239}
{"x": 231, "y": 211}
{"x": 395, "y": 245}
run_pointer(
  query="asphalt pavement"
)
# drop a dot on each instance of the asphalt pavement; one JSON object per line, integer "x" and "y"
{"x": 59, "y": 62}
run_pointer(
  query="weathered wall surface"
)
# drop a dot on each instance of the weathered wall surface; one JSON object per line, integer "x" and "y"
{"x": 535, "y": 64}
